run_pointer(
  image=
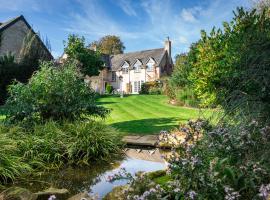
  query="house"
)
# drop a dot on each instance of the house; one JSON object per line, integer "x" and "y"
{"x": 128, "y": 71}
{"x": 13, "y": 34}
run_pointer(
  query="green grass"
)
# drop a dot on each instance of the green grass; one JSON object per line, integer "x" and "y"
{"x": 147, "y": 114}
{"x": 2, "y": 116}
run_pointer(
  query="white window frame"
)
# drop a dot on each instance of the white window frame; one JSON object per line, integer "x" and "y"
{"x": 137, "y": 66}
{"x": 125, "y": 67}
{"x": 150, "y": 65}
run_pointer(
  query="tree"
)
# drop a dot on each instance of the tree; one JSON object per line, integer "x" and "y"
{"x": 109, "y": 44}
{"x": 55, "y": 93}
{"x": 232, "y": 68}
{"x": 90, "y": 62}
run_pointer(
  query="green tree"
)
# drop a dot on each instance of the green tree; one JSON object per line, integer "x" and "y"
{"x": 53, "y": 92}
{"x": 90, "y": 62}
{"x": 232, "y": 67}
{"x": 109, "y": 44}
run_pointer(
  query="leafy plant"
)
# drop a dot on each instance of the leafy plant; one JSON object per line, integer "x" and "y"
{"x": 109, "y": 44}
{"x": 90, "y": 61}
{"x": 52, "y": 93}
{"x": 109, "y": 88}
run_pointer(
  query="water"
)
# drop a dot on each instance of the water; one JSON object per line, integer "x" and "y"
{"x": 94, "y": 179}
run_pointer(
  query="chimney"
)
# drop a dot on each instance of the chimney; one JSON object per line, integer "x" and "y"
{"x": 168, "y": 46}
{"x": 93, "y": 47}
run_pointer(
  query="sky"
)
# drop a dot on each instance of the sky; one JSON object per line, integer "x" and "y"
{"x": 141, "y": 24}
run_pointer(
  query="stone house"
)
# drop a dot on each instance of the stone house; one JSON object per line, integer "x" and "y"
{"x": 128, "y": 71}
{"x": 13, "y": 34}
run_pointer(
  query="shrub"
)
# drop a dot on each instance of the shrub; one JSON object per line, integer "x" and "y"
{"x": 74, "y": 143}
{"x": 153, "y": 86}
{"x": 52, "y": 93}
{"x": 11, "y": 163}
{"x": 154, "y": 90}
{"x": 53, "y": 144}
{"x": 231, "y": 68}
{"x": 109, "y": 88}
{"x": 185, "y": 96}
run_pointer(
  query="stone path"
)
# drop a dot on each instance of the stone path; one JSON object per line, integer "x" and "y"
{"x": 138, "y": 140}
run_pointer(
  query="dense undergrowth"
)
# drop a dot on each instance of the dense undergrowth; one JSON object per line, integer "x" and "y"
{"x": 50, "y": 123}
{"x": 54, "y": 144}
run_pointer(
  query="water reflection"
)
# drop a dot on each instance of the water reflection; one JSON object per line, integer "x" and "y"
{"x": 93, "y": 179}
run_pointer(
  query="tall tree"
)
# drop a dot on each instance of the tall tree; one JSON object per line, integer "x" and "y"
{"x": 89, "y": 61}
{"x": 109, "y": 44}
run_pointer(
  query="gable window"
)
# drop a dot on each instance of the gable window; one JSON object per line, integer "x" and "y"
{"x": 113, "y": 76}
{"x": 150, "y": 65}
{"x": 125, "y": 68}
{"x": 137, "y": 66}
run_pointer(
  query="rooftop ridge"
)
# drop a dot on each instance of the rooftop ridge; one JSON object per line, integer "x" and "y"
{"x": 133, "y": 52}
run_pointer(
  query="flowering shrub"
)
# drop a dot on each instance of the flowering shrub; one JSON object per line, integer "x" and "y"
{"x": 224, "y": 162}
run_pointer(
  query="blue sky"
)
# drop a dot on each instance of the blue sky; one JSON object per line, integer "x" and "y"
{"x": 141, "y": 24}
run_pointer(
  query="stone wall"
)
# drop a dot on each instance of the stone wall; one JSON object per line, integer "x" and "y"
{"x": 12, "y": 38}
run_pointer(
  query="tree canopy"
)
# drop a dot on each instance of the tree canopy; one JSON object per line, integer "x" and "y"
{"x": 109, "y": 44}
{"x": 90, "y": 62}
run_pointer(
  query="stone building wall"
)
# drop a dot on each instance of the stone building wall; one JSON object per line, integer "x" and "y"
{"x": 12, "y": 38}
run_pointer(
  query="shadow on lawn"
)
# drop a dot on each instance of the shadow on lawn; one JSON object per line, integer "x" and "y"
{"x": 105, "y": 102}
{"x": 147, "y": 126}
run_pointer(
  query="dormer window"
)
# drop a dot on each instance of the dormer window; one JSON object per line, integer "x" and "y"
{"x": 150, "y": 65}
{"x": 137, "y": 66}
{"x": 125, "y": 67}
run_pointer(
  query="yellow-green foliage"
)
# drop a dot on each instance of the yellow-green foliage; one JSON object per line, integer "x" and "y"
{"x": 53, "y": 144}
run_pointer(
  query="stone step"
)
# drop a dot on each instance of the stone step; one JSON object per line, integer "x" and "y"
{"x": 138, "y": 140}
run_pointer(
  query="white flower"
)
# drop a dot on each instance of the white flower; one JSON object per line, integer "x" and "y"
{"x": 264, "y": 191}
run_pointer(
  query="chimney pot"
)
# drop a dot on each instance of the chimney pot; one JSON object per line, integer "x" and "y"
{"x": 168, "y": 46}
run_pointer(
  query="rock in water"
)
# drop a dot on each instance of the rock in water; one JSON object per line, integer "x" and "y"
{"x": 46, "y": 194}
{"x": 17, "y": 193}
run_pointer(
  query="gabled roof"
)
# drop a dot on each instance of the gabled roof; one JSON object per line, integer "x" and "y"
{"x": 7, "y": 24}
{"x": 143, "y": 56}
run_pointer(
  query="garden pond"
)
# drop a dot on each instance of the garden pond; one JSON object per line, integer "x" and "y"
{"x": 94, "y": 179}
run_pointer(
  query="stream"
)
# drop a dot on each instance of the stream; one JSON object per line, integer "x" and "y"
{"x": 94, "y": 179}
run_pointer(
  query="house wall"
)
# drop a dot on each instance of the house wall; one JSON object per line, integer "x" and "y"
{"x": 12, "y": 38}
{"x": 98, "y": 82}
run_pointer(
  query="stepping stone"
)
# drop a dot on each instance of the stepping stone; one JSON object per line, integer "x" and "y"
{"x": 146, "y": 140}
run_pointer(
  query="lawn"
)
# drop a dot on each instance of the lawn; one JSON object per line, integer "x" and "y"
{"x": 147, "y": 114}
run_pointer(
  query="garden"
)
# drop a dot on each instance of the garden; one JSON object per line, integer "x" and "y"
{"x": 54, "y": 121}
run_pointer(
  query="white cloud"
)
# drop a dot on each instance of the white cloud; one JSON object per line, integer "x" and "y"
{"x": 93, "y": 22}
{"x": 183, "y": 40}
{"x": 187, "y": 15}
{"x": 126, "y": 6}
{"x": 157, "y": 20}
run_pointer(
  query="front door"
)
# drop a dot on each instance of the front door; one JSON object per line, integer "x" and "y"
{"x": 136, "y": 87}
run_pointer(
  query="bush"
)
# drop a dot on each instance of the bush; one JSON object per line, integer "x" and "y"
{"x": 53, "y": 144}
{"x": 155, "y": 90}
{"x": 109, "y": 88}
{"x": 11, "y": 164}
{"x": 52, "y": 93}
{"x": 186, "y": 97}
{"x": 153, "y": 86}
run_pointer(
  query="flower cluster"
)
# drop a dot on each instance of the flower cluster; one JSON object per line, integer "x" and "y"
{"x": 122, "y": 174}
{"x": 264, "y": 191}
{"x": 231, "y": 194}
